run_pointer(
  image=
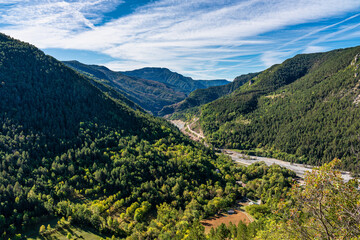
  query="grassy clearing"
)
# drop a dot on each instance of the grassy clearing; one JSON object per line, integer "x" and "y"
{"x": 61, "y": 233}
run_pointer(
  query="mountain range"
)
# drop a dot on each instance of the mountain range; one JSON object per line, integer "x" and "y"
{"x": 203, "y": 96}
{"x": 79, "y": 150}
{"x": 150, "y": 88}
{"x": 72, "y": 146}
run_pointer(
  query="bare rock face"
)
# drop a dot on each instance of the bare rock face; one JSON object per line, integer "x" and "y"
{"x": 356, "y": 58}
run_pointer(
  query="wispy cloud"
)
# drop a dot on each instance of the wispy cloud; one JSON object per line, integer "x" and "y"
{"x": 313, "y": 49}
{"x": 193, "y": 36}
{"x": 335, "y": 33}
{"x": 318, "y": 30}
{"x": 270, "y": 58}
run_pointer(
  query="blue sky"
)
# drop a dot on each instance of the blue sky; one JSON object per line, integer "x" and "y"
{"x": 203, "y": 39}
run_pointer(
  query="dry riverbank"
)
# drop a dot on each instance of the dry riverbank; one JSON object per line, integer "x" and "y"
{"x": 299, "y": 169}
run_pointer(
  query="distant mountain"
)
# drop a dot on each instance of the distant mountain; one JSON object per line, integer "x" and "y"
{"x": 152, "y": 90}
{"x": 213, "y": 83}
{"x": 305, "y": 109}
{"x": 150, "y": 95}
{"x": 203, "y": 96}
{"x": 175, "y": 80}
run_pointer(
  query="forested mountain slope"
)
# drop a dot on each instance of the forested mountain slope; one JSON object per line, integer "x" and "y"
{"x": 150, "y": 95}
{"x": 306, "y": 107}
{"x": 175, "y": 80}
{"x": 203, "y": 96}
{"x": 70, "y": 148}
{"x": 74, "y": 153}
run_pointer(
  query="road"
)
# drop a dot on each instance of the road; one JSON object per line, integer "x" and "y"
{"x": 185, "y": 128}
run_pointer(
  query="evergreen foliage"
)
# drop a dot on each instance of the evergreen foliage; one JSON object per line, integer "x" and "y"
{"x": 73, "y": 148}
{"x": 203, "y": 96}
{"x": 70, "y": 147}
{"x": 175, "y": 80}
{"x": 307, "y": 107}
{"x": 150, "y": 95}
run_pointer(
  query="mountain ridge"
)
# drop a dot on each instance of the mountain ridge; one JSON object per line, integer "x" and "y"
{"x": 293, "y": 111}
{"x": 178, "y": 81}
{"x": 64, "y": 138}
{"x": 203, "y": 96}
{"x": 151, "y": 94}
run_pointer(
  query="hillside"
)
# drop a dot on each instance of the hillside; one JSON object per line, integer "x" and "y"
{"x": 73, "y": 151}
{"x": 175, "y": 80}
{"x": 203, "y": 96}
{"x": 79, "y": 160}
{"x": 305, "y": 109}
{"x": 150, "y": 95}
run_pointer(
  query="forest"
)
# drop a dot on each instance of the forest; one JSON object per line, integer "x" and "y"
{"x": 150, "y": 95}
{"x": 206, "y": 95}
{"x": 77, "y": 150}
{"x": 304, "y": 110}
{"x": 151, "y": 88}
{"x": 72, "y": 148}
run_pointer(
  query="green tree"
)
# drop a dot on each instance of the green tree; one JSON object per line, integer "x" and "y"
{"x": 196, "y": 232}
{"x": 69, "y": 236}
{"x": 326, "y": 207}
{"x": 42, "y": 229}
{"x": 2, "y": 221}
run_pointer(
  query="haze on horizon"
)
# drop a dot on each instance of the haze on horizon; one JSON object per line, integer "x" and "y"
{"x": 203, "y": 39}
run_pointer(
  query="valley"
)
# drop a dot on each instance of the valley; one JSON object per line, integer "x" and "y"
{"x": 82, "y": 155}
{"x": 240, "y": 158}
{"x": 303, "y": 110}
{"x": 153, "y": 89}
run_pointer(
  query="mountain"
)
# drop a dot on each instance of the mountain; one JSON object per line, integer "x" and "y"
{"x": 175, "y": 80}
{"x": 73, "y": 152}
{"x": 77, "y": 155}
{"x": 203, "y": 96}
{"x": 305, "y": 109}
{"x": 150, "y": 95}
{"x": 213, "y": 83}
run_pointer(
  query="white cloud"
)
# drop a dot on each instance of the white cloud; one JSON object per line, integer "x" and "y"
{"x": 333, "y": 35}
{"x": 191, "y": 36}
{"x": 54, "y": 14}
{"x": 314, "y": 49}
{"x": 320, "y": 30}
{"x": 270, "y": 58}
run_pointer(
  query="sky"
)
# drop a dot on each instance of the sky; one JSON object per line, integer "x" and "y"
{"x": 203, "y": 39}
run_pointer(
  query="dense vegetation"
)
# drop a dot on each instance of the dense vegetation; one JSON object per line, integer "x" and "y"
{"x": 175, "y": 80}
{"x": 203, "y": 96}
{"x": 304, "y": 110}
{"x": 69, "y": 147}
{"x": 325, "y": 207}
{"x": 150, "y": 95}
{"x": 63, "y": 139}
{"x": 150, "y": 88}
{"x": 72, "y": 148}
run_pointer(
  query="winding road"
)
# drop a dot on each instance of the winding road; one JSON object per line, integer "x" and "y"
{"x": 299, "y": 169}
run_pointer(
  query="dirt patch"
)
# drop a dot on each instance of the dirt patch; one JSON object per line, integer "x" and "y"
{"x": 235, "y": 218}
